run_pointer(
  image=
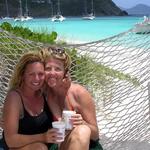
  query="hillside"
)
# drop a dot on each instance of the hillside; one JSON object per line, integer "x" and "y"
{"x": 139, "y": 9}
{"x": 45, "y": 8}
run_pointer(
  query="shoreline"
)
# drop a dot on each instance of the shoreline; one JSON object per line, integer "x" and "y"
{"x": 71, "y": 41}
{"x": 77, "y": 30}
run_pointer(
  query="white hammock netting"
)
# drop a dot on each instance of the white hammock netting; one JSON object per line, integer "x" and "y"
{"x": 117, "y": 72}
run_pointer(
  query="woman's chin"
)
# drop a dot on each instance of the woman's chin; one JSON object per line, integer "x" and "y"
{"x": 52, "y": 84}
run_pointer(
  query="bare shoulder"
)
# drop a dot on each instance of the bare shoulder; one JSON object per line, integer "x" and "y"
{"x": 12, "y": 96}
{"x": 80, "y": 93}
{"x": 78, "y": 89}
{"x": 83, "y": 99}
{"x": 12, "y": 105}
{"x": 12, "y": 93}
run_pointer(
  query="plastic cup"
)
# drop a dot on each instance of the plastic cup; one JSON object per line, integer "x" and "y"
{"x": 61, "y": 129}
{"x": 66, "y": 117}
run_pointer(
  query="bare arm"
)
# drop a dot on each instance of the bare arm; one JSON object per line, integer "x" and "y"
{"x": 12, "y": 111}
{"x": 87, "y": 109}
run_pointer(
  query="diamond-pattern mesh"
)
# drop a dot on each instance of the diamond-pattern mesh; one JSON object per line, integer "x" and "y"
{"x": 122, "y": 99}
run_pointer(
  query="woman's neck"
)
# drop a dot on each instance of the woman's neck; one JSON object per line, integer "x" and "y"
{"x": 28, "y": 92}
{"x": 56, "y": 98}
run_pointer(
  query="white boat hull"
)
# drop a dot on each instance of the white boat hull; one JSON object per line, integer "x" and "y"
{"x": 7, "y": 18}
{"x": 58, "y": 18}
{"x": 142, "y": 28}
{"x": 23, "y": 18}
{"x": 88, "y": 17}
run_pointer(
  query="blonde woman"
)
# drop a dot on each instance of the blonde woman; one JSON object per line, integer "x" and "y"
{"x": 85, "y": 134}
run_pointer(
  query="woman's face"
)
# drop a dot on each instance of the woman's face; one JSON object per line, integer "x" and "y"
{"x": 34, "y": 76}
{"x": 54, "y": 72}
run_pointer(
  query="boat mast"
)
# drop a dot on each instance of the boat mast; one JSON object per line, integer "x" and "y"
{"x": 7, "y": 12}
{"x": 85, "y": 7}
{"x": 92, "y": 10}
{"x": 26, "y": 9}
{"x": 58, "y": 8}
{"x": 20, "y": 8}
{"x": 51, "y": 4}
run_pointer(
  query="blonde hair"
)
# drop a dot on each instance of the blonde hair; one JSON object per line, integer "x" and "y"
{"x": 27, "y": 58}
{"x": 58, "y": 53}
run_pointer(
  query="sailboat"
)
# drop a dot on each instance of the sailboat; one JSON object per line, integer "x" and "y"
{"x": 58, "y": 16}
{"x": 7, "y": 11}
{"x": 88, "y": 16}
{"x": 20, "y": 16}
{"x": 26, "y": 15}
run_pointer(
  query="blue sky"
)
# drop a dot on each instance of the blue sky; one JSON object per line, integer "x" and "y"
{"x": 130, "y": 3}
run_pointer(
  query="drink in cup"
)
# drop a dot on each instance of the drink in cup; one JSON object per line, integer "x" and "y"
{"x": 66, "y": 117}
{"x": 61, "y": 129}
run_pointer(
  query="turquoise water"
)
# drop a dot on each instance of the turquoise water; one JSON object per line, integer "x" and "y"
{"x": 76, "y": 29}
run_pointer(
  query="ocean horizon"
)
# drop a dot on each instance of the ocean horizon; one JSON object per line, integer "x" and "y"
{"x": 77, "y": 30}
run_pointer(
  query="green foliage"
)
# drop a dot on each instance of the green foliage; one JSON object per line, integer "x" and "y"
{"x": 86, "y": 71}
{"x": 6, "y": 26}
{"x": 26, "y": 33}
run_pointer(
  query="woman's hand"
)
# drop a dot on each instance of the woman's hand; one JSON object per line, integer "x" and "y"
{"x": 66, "y": 81}
{"x": 77, "y": 119}
{"x": 65, "y": 85}
{"x": 52, "y": 135}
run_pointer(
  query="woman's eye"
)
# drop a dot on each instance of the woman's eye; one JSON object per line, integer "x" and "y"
{"x": 53, "y": 69}
{"x": 57, "y": 69}
{"x": 48, "y": 69}
{"x": 41, "y": 74}
{"x": 31, "y": 74}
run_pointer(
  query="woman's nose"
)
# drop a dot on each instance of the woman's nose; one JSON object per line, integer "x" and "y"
{"x": 53, "y": 73}
{"x": 37, "y": 77}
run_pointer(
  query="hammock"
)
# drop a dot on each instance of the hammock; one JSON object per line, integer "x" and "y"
{"x": 117, "y": 73}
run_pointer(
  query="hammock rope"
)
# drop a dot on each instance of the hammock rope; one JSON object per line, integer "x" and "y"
{"x": 122, "y": 99}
